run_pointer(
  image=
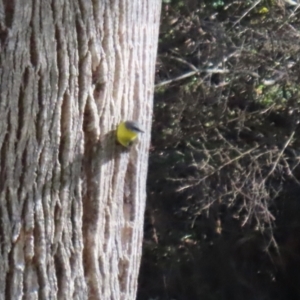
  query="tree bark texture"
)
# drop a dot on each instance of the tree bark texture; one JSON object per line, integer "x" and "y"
{"x": 72, "y": 200}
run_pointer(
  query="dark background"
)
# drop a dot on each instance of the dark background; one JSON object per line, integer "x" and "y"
{"x": 223, "y": 207}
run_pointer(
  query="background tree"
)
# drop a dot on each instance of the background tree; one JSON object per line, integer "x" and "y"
{"x": 71, "y": 200}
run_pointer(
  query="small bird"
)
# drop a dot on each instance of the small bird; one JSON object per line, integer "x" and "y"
{"x": 127, "y": 132}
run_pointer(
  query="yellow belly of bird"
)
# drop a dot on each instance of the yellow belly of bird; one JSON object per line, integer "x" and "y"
{"x": 124, "y": 136}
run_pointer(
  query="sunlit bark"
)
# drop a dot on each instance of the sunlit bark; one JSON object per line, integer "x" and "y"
{"x": 72, "y": 200}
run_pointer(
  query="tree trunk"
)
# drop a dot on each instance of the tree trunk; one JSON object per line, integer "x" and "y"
{"x": 72, "y": 200}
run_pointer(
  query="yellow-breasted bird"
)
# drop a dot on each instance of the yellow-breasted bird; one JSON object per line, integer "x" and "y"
{"x": 127, "y": 132}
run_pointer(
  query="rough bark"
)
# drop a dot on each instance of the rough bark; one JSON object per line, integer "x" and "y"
{"x": 72, "y": 200}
